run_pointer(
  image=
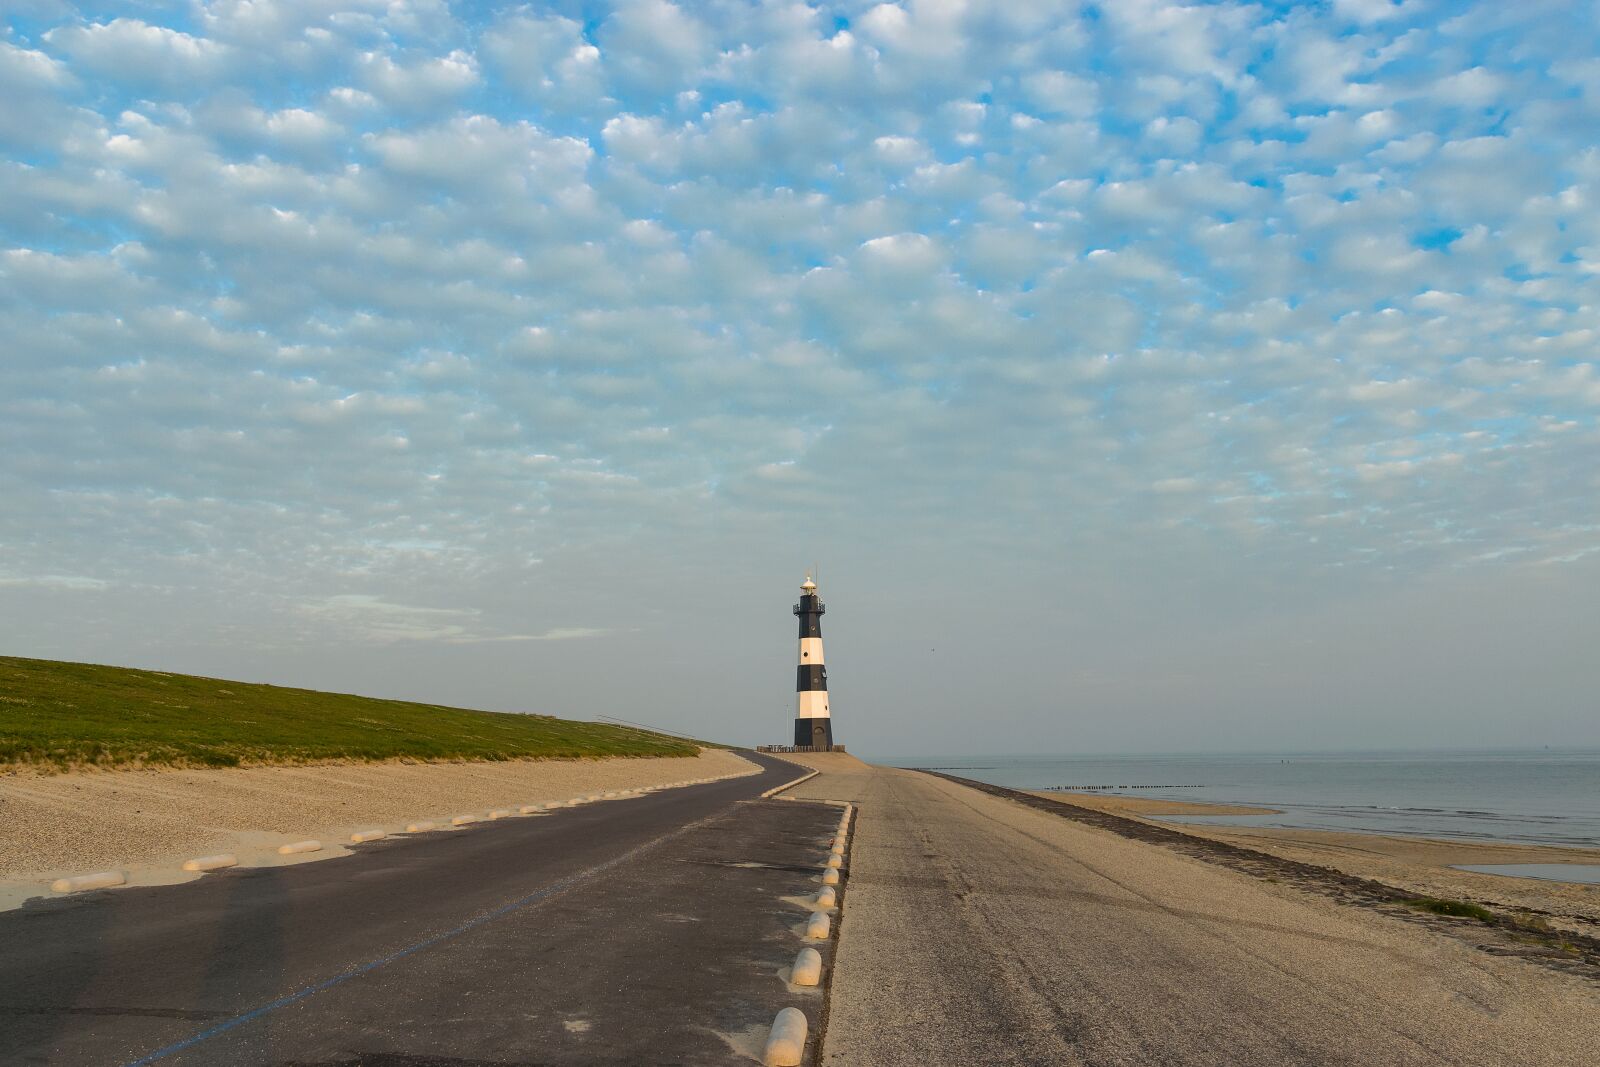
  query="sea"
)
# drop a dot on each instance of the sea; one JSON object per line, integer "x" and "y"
{"x": 1546, "y": 797}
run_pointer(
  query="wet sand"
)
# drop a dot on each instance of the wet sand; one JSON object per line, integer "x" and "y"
{"x": 1419, "y": 864}
{"x": 147, "y": 822}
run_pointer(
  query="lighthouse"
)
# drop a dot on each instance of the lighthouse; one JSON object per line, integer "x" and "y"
{"x": 812, "y": 726}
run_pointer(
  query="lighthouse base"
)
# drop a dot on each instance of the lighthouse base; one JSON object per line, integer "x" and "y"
{"x": 813, "y": 733}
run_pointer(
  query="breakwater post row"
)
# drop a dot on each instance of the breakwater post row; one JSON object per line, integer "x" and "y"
{"x": 1102, "y": 788}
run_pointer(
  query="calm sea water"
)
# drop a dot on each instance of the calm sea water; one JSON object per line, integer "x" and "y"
{"x": 1547, "y": 797}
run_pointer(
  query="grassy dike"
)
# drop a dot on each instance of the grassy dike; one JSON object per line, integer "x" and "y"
{"x": 60, "y": 716}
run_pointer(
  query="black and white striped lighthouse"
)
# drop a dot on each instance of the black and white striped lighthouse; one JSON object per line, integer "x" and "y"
{"x": 812, "y": 726}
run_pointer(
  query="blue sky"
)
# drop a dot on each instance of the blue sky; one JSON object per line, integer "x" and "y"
{"x": 1141, "y": 374}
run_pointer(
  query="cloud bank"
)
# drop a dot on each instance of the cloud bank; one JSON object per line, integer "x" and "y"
{"x": 342, "y": 335}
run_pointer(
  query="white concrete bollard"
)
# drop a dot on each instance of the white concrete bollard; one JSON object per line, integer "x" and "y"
{"x": 462, "y": 820}
{"x": 837, "y": 849}
{"x": 501, "y": 813}
{"x": 367, "y": 835}
{"x": 81, "y": 882}
{"x": 296, "y": 847}
{"x": 418, "y": 827}
{"x": 210, "y": 863}
{"x": 531, "y": 809}
{"x": 830, "y": 876}
{"x": 817, "y": 929}
{"x": 807, "y": 968}
{"x": 827, "y": 897}
{"x": 835, "y": 861}
{"x": 786, "y": 1044}
{"x": 556, "y": 804}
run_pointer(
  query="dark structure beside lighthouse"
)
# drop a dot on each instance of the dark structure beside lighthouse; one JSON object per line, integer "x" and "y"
{"x": 813, "y": 728}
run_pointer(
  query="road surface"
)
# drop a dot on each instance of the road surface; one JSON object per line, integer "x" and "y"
{"x": 647, "y": 930}
{"x": 981, "y": 931}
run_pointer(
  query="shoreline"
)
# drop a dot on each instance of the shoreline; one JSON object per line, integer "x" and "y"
{"x": 146, "y": 823}
{"x": 1422, "y": 865}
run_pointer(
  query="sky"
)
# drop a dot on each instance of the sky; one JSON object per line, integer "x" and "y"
{"x": 1141, "y": 376}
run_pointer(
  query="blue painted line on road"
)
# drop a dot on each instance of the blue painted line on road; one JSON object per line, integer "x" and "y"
{"x": 427, "y": 943}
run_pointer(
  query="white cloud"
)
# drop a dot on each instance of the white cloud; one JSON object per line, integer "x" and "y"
{"x": 548, "y": 58}
{"x": 1055, "y": 92}
{"x": 32, "y": 85}
{"x": 654, "y": 46}
{"x": 424, "y": 84}
{"x": 1474, "y": 87}
{"x": 25, "y": 70}
{"x": 133, "y": 52}
{"x": 479, "y": 153}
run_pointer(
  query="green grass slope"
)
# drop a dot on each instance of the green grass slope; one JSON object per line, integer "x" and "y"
{"x": 63, "y": 715}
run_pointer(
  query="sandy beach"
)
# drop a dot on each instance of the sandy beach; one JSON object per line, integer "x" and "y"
{"x": 1423, "y": 865}
{"x": 147, "y": 822}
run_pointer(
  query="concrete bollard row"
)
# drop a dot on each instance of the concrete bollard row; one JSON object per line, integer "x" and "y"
{"x": 786, "y": 1041}
{"x": 807, "y": 968}
{"x": 80, "y": 883}
{"x": 786, "y": 1044}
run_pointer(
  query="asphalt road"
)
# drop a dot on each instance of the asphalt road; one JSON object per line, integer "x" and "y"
{"x": 649, "y": 930}
{"x": 981, "y": 931}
